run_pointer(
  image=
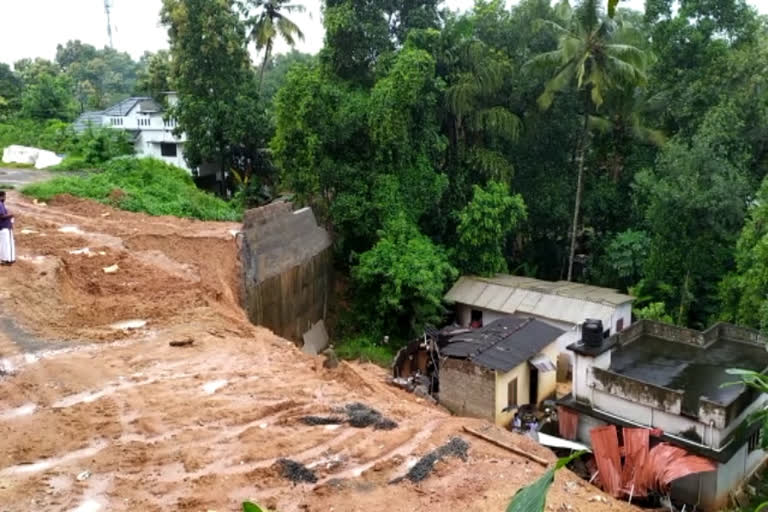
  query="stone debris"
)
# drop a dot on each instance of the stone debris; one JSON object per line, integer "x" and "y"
{"x": 181, "y": 343}
{"x": 295, "y": 471}
{"x": 322, "y": 420}
{"x": 360, "y": 415}
{"x": 356, "y": 414}
{"x": 456, "y": 447}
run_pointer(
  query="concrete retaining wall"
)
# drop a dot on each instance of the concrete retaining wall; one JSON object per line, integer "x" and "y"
{"x": 287, "y": 269}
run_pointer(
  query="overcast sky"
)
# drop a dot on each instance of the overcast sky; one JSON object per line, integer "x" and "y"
{"x": 33, "y": 28}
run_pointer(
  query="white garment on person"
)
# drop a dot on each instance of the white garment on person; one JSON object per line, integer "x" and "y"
{"x": 7, "y": 247}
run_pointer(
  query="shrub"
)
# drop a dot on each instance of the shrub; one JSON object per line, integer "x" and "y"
{"x": 141, "y": 185}
{"x": 362, "y": 347}
{"x": 53, "y": 135}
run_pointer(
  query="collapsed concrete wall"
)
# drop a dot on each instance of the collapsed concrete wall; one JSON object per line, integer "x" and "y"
{"x": 287, "y": 269}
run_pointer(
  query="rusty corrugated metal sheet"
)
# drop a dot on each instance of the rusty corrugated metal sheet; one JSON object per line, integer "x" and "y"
{"x": 605, "y": 446}
{"x": 636, "y": 443}
{"x": 567, "y": 422}
{"x": 667, "y": 463}
{"x": 643, "y": 469}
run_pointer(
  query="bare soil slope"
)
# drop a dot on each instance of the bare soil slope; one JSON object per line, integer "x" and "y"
{"x": 146, "y": 426}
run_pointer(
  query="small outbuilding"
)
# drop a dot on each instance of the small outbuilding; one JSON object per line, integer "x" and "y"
{"x": 490, "y": 372}
{"x": 566, "y": 305}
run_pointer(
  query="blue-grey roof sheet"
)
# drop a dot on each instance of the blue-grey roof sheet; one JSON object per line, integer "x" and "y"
{"x": 504, "y": 343}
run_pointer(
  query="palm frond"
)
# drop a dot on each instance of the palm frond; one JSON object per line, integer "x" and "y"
{"x": 556, "y": 28}
{"x": 492, "y": 164}
{"x": 546, "y": 60}
{"x": 498, "y": 121}
{"x": 288, "y": 29}
{"x": 556, "y": 84}
{"x": 461, "y": 96}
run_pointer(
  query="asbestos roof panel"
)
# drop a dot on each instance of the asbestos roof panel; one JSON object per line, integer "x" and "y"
{"x": 563, "y": 288}
{"x": 465, "y": 291}
{"x": 493, "y": 296}
{"x": 504, "y": 344}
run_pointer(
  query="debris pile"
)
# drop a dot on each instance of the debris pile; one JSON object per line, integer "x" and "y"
{"x": 456, "y": 447}
{"x": 295, "y": 471}
{"x": 357, "y": 414}
{"x": 322, "y": 420}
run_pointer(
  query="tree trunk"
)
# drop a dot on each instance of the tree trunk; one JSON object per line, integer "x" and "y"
{"x": 579, "y": 182}
{"x": 267, "y": 51}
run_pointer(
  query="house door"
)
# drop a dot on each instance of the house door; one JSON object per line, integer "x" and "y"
{"x": 534, "y": 386}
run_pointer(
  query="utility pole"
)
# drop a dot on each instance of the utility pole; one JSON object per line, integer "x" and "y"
{"x": 107, "y": 7}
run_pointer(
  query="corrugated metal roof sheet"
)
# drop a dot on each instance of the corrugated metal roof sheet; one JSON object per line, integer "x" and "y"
{"x": 561, "y": 300}
{"x": 505, "y": 343}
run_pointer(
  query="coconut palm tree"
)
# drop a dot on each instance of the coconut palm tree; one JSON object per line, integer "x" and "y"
{"x": 266, "y": 21}
{"x": 591, "y": 53}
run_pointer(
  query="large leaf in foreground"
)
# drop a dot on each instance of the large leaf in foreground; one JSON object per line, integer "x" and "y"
{"x": 533, "y": 498}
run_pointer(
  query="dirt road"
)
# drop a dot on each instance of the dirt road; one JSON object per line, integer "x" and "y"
{"x": 95, "y": 416}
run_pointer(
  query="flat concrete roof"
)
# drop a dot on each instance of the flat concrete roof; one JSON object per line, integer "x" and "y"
{"x": 697, "y": 371}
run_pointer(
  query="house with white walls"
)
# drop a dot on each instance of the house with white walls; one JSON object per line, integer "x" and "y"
{"x": 152, "y": 132}
{"x": 675, "y": 382}
{"x": 565, "y": 305}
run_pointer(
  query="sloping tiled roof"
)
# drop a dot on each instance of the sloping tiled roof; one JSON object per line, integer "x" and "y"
{"x": 122, "y": 108}
{"x": 93, "y": 117}
{"x": 559, "y": 300}
{"x": 503, "y": 344}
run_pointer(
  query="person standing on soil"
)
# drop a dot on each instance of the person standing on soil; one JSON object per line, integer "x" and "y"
{"x": 7, "y": 247}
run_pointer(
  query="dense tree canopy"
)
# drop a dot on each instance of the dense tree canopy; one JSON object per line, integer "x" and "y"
{"x": 521, "y": 138}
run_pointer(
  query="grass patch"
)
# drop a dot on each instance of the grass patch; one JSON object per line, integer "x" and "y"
{"x": 73, "y": 163}
{"x": 4, "y": 186}
{"x": 16, "y": 165}
{"x": 363, "y": 348}
{"x": 141, "y": 185}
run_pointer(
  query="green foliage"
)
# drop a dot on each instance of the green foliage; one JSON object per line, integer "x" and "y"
{"x": 533, "y": 497}
{"x": 141, "y": 185}
{"x": 484, "y": 225}
{"x": 744, "y": 292}
{"x": 48, "y": 97}
{"x": 96, "y": 145}
{"x": 759, "y": 382}
{"x": 655, "y": 311}
{"x": 153, "y": 77}
{"x": 266, "y": 21}
{"x": 400, "y": 281}
{"x": 53, "y": 135}
{"x": 363, "y": 347}
{"x": 218, "y": 107}
{"x": 251, "y": 507}
{"x": 626, "y": 255}
{"x": 694, "y": 208}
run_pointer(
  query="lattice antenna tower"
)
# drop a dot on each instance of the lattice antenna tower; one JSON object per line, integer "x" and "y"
{"x": 107, "y": 9}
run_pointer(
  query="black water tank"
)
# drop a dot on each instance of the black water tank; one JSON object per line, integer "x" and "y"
{"x": 592, "y": 332}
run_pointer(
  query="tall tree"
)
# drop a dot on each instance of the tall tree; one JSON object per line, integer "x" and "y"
{"x": 217, "y": 105}
{"x": 10, "y": 91}
{"x": 591, "y": 53}
{"x": 266, "y": 21}
{"x": 153, "y": 77}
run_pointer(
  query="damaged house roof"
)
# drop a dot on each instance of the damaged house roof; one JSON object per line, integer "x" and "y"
{"x": 503, "y": 344}
{"x": 557, "y": 300}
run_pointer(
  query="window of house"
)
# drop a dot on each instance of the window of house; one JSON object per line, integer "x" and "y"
{"x": 512, "y": 393}
{"x": 167, "y": 149}
{"x": 619, "y": 325}
{"x": 753, "y": 443}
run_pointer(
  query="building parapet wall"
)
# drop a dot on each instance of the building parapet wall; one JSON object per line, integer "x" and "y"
{"x": 731, "y": 332}
{"x": 658, "y": 397}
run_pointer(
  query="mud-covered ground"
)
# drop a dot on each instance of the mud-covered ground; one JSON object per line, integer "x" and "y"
{"x": 97, "y": 417}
